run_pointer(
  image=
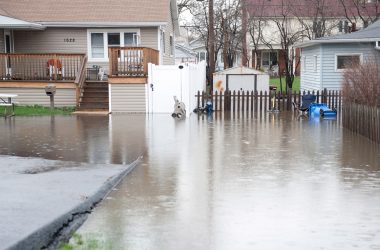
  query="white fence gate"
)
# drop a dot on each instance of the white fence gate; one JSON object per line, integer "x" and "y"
{"x": 165, "y": 81}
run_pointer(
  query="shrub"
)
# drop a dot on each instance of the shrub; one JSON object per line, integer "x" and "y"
{"x": 361, "y": 83}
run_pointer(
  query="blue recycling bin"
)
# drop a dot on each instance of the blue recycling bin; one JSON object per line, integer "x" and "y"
{"x": 321, "y": 109}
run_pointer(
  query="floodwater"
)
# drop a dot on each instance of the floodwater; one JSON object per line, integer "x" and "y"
{"x": 272, "y": 182}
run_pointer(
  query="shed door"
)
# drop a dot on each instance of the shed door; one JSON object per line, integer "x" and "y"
{"x": 241, "y": 82}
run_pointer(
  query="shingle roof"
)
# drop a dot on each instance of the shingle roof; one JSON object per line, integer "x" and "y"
{"x": 123, "y": 11}
{"x": 369, "y": 34}
{"x": 372, "y": 31}
{"x": 308, "y": 8}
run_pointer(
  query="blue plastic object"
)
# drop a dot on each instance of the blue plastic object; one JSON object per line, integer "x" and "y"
{"x": 209, "y": 106}
{"x": 321, "y": 109}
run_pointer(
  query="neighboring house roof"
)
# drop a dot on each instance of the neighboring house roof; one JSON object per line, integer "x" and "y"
{"x": 184, "y": 52}
{"x": 92, "y": 12}
{"x": 197, "y": 44}
{"x": 307, "y": 8}
{"x": 13, "y": 23}
{"x": 240, "y": 70}
{"x": 369, "y": 34}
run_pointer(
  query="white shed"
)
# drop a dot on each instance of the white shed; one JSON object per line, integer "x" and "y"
{"x": 241, "y": 78}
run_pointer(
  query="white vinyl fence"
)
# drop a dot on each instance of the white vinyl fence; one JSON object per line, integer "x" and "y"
{"x": 165, "y": 82}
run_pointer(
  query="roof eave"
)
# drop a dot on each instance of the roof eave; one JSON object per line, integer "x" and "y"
{"x": 23, "y": 26}
{"x": 317, "y": 42}
{"x": 102, "y": 24}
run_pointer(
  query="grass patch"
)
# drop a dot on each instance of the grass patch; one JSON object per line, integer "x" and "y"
{"x": 37, "y": 110}
{"x": 89, "y": 242}
{"x": 276, "y": 82}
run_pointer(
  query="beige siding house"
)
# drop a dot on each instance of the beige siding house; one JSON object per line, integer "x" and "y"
{"x": 83, "y": 45}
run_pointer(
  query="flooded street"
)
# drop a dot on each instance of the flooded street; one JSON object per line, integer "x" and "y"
{"x": 273, "y": 182}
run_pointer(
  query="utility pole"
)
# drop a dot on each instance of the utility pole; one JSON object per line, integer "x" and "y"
{"x": 244, "y": 20}
{"x": 211, "y": 44}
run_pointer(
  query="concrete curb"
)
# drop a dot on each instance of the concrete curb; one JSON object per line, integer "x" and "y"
{"x": 48, "y": 236}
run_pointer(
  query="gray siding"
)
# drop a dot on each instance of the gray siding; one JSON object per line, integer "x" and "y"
{"x": 32, "y": 96}
{"x": 169, "y": 30}
{"x": 128, "y": 98}
{"x": 149, "y": 37}
{"x": 331, "y": 79}
{"x": 2, "y": 43}
{"x": 311, "y": 76}
{"x": 51, "y": 40}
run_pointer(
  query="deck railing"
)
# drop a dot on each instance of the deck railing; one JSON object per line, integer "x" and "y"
{"x": 43, "y": 67}
{"x": 131, "y": 61}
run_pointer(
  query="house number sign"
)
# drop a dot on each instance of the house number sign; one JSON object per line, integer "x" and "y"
{"x": 69, "y": 40}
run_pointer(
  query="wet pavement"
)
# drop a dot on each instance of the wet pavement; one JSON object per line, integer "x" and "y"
{"x": 272, "y": 182}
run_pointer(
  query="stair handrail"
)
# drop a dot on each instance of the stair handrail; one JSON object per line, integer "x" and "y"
{"x": 80, "y": 79}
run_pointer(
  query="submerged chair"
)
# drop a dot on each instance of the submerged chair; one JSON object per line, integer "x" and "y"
{"x": 306, "y": 101}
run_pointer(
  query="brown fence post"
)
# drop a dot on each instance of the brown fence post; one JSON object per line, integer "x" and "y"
{"x": 216, "y": 101}
{"x": 242, "y": 100}
{"x": 198, "y": 98}
{"x": 324, "y": 96}
{"x": 265, "y": 101}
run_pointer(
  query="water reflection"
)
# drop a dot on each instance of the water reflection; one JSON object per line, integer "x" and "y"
{"x": 93, "y": 139}
{"x": 274, "y": 181}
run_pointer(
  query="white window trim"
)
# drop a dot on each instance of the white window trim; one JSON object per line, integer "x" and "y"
{"x": 346, "y": 54}
{"x": 105, "y": 41}
{"x": 315, "y": 62}
{"x": 172, "y": 49}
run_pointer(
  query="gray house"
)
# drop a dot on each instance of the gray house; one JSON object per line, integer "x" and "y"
{"x": 324, "y": 60}
{"x": 71, "y": 44}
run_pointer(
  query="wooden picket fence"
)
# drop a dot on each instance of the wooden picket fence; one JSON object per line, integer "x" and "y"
{"x": 254, "y": 102}
{"x": 362, "y": 119}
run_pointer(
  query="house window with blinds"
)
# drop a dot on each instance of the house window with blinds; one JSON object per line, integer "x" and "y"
{"x": 97, "y": 45}
{"x": 131, "y": 39}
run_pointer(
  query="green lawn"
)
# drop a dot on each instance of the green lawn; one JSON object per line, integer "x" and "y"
{"x": 276, "y": 82}
{"x": 37, "y": 110}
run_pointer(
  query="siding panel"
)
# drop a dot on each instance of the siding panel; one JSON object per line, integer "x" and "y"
{"x": 331, "y": 79}
{"x": 51, "y": 40}
{"x": 169, "y": 30}
{"x": 128, "y": 98}
{"x": 149, "y": 37}
{"x": 32, "y": 96}
{"x": 310, "y": 76}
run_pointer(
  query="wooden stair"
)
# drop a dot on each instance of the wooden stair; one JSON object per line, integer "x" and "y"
{"x": 94, "y": 96}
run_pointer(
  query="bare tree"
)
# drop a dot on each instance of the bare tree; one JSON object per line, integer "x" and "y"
{"x": 360, "y": 10}
{"x": 289, "y": 34}
{"x": 256, "y": 25}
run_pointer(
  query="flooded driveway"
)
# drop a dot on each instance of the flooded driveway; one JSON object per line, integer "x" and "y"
{"x": 273, "y": 182}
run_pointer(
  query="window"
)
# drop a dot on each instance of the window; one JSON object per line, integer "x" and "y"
{"x": 131, "y": 39}
{"x": 345, "y": 61}
{"x": 99, "y": 41}
{"x": 201, "y": 56}
{"x": 97, "y": 45}
{"x": 269, "y": 58}
{"x": 171, "y": 45}
{"x": 113, "y": 39}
